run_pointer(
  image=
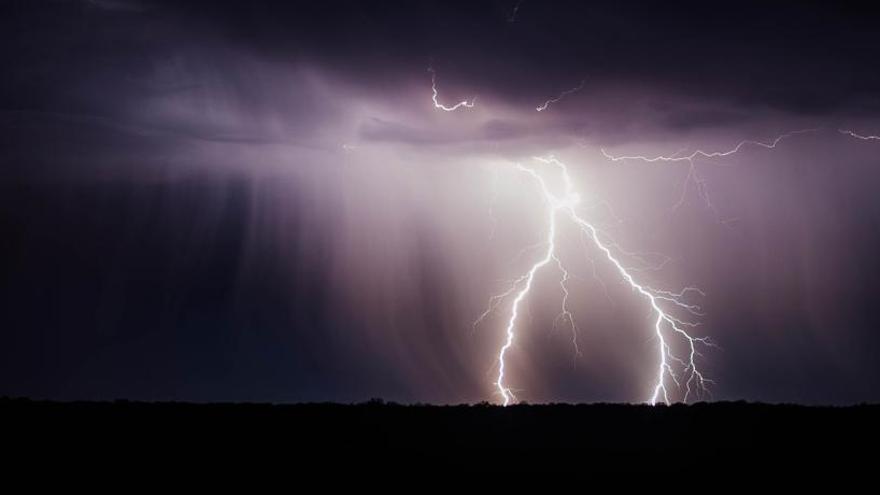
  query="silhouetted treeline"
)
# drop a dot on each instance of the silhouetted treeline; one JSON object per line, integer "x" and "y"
{"x": 477, "y": 437}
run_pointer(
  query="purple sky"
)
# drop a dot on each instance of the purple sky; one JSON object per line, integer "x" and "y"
{"x": 222, "y": 201}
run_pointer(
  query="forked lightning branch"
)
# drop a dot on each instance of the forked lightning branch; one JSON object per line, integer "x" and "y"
{"x": 675, "y": 317}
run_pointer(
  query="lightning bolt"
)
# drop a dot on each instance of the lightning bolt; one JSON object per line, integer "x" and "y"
{"x": 543, "y": 106}
{"x": 859, "y": 136}
{"x": 565, "y": 315}
{"x": 440, "y": 106}
{"x": 673, "y": 315}
{"x": 693, "y": 175}
{"x": 704, "y": 154}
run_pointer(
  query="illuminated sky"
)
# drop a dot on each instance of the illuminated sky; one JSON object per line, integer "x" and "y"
{"x": 262, "y": 202}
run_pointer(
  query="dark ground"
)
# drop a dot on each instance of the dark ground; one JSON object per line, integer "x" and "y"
{"x": 123, "y": 436}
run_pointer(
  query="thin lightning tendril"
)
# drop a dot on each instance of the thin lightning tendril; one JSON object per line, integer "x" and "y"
{"x": 440, "y": 106}
{"x": 859, "y": 136}
{"x": 543, "y": 106}
{"x": 565, "y": 314}
{"x": 693, "y": 176}
{"x": 704, "y": 154}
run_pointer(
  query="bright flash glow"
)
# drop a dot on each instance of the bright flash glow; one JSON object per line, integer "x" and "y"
{"x": 543, "y": 106}
{"x": 440, "y": 106}
{"x": 673, "y": 315}
{"x": 859, "y": 136}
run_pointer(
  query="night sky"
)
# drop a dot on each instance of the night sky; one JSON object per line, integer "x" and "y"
{"x": 259, "y": 201}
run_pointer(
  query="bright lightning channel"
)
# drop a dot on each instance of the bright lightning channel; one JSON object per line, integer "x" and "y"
{"x": 666, "y": 324}
{"x": 440, "y": 106}
{"x": 558, "y": 98}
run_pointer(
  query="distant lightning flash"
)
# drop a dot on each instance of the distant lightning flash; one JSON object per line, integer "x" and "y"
{"x": 859, "y": 136}
{"x": 512, "y": 18}
{"x": 663, "y": 303}
{"x": 440, "y": 106}
{"x": 543, "y": 106}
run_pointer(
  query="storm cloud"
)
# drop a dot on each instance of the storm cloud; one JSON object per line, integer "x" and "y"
{"x": 259, "y": 201}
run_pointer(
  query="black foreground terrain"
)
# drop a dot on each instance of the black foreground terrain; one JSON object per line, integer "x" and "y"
{"x": 122, "y": 436}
